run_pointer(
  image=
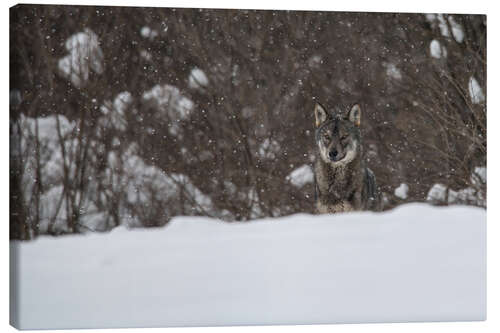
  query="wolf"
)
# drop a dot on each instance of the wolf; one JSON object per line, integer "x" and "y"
{"x": 342, "y": 181}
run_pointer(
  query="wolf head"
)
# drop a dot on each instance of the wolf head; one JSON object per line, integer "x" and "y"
{"x": 338, "y": 135}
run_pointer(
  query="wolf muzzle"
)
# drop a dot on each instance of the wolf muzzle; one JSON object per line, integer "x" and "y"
{"x": 335, "y": 156}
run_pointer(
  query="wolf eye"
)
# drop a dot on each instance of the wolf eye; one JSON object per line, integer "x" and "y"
{"x": 326, "y": 137}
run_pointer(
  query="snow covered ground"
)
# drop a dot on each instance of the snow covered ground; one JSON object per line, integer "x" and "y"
{"x": 415, "y": 263}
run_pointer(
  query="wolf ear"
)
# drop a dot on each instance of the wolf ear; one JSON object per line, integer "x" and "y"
{"x": 320, "y": 114}
{"x": 355, "y": 115}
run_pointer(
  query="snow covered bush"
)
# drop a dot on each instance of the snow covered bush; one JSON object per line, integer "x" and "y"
{"x": 171, "y": 105}
{"x": 149, "y": 196}
{"x": 85, "y": 54}
{"x": 74, "y": 183}
{"x": 57, "y": 162}
{"x": 197, "y": 78}
{"x": 402, "y": 191}
{"x": 475, "y": 194}
{"x": 301, "y": 176}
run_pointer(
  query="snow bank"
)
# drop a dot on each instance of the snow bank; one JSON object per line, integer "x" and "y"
{"x": 415, "y": 263}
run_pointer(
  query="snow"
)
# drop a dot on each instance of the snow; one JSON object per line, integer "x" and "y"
{"x": 146, "y": 55}
{"x": 172, "y": 104}
{"x": 392, "y": 71}
{"x": 456, "y": 29}
{"x": 401, "y": 191}
{"x": 315, "y": 61}
{"x": 253, "y": 198}
{"x": 269, "y": 149}
{"x": 85, "y": 54}
{"x": 131, "y": 186}
{"x": 437, "y": 51}
{"x": 414, "y": 263}
{"x": 47, "y": 126}
{"x": 144, "y": 184}
{"x": 475, "y": 91}
{"x": 170, "y": 98}
{"x": 430, "y": 17}
{"x": 467, "y": 194}
{"x": 51, "y": 159}
{"x": 479, "y": 175}
{"x": 437, "y": 193}
{"x": 301, "y": 176}
{"x": 197, "y": 78}
{"x": 114, "y": 113}
{"x": 443, "y": 26}
{"x": 147, "y": 32}
{"x": 440, "y": 193}
{"x": 49, "y": 210}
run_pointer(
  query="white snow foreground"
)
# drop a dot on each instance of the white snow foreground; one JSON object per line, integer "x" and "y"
{"x": 415, "y": 263}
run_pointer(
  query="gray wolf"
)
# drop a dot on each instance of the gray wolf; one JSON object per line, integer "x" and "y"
{"x": 342, "y": 181}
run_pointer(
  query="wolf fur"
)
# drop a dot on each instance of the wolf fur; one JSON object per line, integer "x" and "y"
{"x": 343, "y": 182}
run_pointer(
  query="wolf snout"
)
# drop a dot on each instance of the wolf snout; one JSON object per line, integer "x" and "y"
{"x": 334, "y": 155}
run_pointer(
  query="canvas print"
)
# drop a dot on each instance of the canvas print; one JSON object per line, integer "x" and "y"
{"x": 207, "y": 167}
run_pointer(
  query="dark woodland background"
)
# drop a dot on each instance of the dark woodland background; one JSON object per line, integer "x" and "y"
{"x": 137, "y": 135}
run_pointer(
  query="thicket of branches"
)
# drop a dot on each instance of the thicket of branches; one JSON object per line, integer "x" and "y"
{"x": 207, "y": 112}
